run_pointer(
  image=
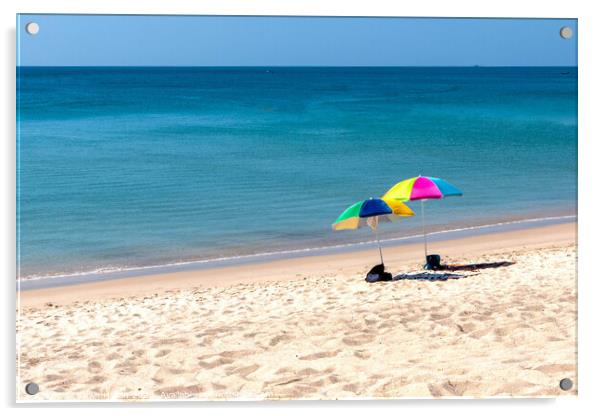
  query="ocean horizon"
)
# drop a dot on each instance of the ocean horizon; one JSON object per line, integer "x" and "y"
{"x": 132, "y": 168}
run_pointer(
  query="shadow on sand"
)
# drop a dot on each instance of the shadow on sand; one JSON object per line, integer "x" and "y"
{"x": 475, "y": 266}
{"x": 439, "y": 275}
{"x": 428, "y": 276}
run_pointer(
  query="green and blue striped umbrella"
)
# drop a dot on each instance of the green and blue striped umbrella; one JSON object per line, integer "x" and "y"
{"x": 369, "y": 212}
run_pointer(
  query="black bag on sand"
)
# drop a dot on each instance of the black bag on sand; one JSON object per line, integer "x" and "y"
{"x": 433, "y": 262}
{"x": 378, "y": 269}
{"x": 378, "y": 274}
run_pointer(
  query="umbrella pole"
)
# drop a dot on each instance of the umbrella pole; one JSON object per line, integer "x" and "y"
{"x": 423, "y": 229}
{"x": 379, "y": 249}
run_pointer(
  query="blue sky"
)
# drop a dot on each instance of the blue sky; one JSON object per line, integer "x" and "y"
{"x": 113, "y": 40}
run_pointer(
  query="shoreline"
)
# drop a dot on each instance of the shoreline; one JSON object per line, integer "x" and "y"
{"x": 33, "y": 283}
{"x": 354, "y": 263}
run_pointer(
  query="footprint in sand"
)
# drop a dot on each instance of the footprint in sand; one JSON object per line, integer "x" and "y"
{"x": 159, "y": 376}
{"x": 334, "y": 379}
{"x": 555, "y": 339}
{"x": 236, "y": 353}
{"x": 61, "y": 387}
{"x": 215, "y": 363}
{"x": 293, "y": 375}
{"x": 363, "y": 354}
{"x": 206, "y": 341}
{"x": 440, "y": 316}
{"x": 506, "y": 330}
{"x": 278, "y": 339}
{"x": 243, "y": 371}
{"x": 555, "y": 368}
{"x": 129, "y": 370}
{"x": 513, "y": 361}
{"x": 392, "y": 386}
{"x": 285, "y": 370}
{"x": 480, "y": 333}
{"x": 32, "y": 362}
{"x": 169, "y": 341}
{"x": 175, "y": 371}
{"x": 435, "y": 390}
{"x": 75, "y": 356}
{"x": 308, "y": 371}
{"x": 52, "y": 377}
{"x": 95, "y": 380}
{"x": 178, "y": 391}
{"x": 455, "y": 388}
{"x": 162, "y": 353}
{"x": 318, "y": 355}
{"x": 139, "y": 353}
{"x": 388, "y": 323}
{"x": 351, "y": 387}
{"x": 466, "y": 327}
{"x": 94, "y": 367}
{"x": 358, "y": 339}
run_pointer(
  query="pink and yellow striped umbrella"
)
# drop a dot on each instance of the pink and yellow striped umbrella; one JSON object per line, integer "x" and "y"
{"x": 421, "y": 188}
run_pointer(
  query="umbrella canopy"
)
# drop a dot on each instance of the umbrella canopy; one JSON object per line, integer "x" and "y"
{"x": 422, "y": 187}
{"x": 359, "y": 214}
{"x": 368, "y": 212}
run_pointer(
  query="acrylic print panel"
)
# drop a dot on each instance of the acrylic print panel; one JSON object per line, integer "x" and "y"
{"x": 217, "y": 208}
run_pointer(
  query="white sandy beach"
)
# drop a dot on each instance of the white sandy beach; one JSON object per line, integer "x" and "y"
{"x": 289, "y": 330}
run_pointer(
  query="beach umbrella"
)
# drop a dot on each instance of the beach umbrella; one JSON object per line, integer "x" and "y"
{"x": 422, "y": 188}
{"x": 369, "y": 212}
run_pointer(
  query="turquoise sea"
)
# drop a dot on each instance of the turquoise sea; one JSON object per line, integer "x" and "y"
{"x": 128, "y": 168}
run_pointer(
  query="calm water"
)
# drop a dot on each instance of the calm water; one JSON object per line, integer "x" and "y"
{"x": 122, "y": 168}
